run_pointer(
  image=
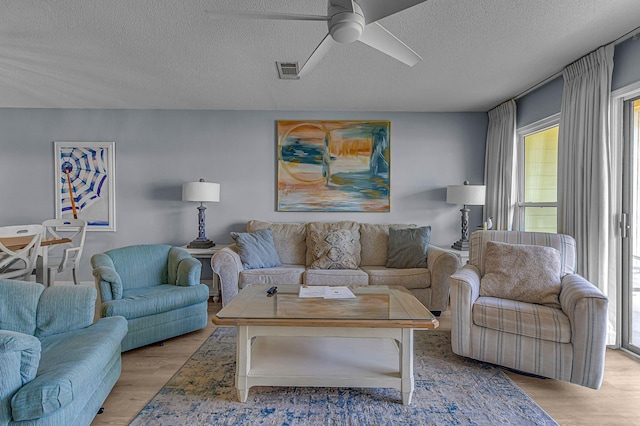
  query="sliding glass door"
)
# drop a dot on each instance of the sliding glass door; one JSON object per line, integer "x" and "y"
{"x": 631, "y": 227}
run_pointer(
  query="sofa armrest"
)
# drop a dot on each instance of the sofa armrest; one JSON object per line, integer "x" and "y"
{"x": 227, "y": 265}
{"x": 189, "y": 271}
{"x": 108, "y": 281}
{"x": 20, "y": 355}
{"x": 442, "y": 264}
{"x": 586, "y": 306}
{"x": 465, "y": 289}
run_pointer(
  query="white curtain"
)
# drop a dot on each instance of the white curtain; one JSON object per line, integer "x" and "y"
{"x": 585, "y": 194}
{"x": 500, "y": 167}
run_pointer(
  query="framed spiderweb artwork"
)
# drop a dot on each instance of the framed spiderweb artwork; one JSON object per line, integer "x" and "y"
{"x": 84, "y": 176}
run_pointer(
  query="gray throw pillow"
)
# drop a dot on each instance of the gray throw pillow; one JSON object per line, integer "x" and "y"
{"x": 408, "y": 247}
{"x": 256, "y": 249}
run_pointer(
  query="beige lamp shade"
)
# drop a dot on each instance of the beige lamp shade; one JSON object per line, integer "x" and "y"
{"x": 469, "y": 195}
{"x": 202, "y": 192}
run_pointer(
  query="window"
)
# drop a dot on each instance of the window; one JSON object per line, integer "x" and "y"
{"x": 538, "y": 176}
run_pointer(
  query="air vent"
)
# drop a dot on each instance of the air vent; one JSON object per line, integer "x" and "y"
{"x": 288, "y": 70}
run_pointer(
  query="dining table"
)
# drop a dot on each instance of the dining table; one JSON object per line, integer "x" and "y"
{"x": 17, "y": 243}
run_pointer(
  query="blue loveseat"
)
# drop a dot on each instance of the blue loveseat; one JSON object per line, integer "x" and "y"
{"x": 155, "y": 287}
{"x": 56, "y": 366}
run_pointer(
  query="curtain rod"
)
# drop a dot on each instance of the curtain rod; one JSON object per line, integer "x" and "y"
{"x": 631, "y": 34}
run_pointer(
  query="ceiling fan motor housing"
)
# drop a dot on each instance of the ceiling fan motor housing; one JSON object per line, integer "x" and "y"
{"x": 346, "y": 26}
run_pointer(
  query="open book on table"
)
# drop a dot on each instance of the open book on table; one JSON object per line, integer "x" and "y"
{"x": 326, "y": 292}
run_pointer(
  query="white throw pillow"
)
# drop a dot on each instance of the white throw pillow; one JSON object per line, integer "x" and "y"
{"x": 526, "y": 273}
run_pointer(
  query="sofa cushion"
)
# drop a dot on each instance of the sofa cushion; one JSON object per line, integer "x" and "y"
{"x": 336, "y": 277}
{"x": 69, "y": 366}
{"x": 288, "y": 238}
{"x": 256, "y": 249}
{"x": 525, "y": 319}
{"x": 77, "y": 302}
{"x": 284, "y": 274}
{"x": 325, "y": 227}
{"x": 333, "y": 250}
{"x": 408, "y": 247}
{"x": 141, "y": 265}
{"x": 374, "y": 240}
{"x": 526, "y": 273}
{"x": 411, "y": 278}
{"x": 141, "y": 302}
{"x": 19, "y": 317}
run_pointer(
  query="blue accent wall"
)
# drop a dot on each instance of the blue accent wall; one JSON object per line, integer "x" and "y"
{"x": 540, "y": 103}
{"x": 547, "y": 99}
{"x": 157, "y": 150}
{"x": 626, "y": 69}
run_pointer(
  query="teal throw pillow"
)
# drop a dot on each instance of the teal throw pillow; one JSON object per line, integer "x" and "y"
{"x": 408, "y": 247}
{"x": 256, "y": 249}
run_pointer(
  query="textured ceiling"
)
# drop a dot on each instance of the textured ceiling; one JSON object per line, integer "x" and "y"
{"x": 169, "y": 55}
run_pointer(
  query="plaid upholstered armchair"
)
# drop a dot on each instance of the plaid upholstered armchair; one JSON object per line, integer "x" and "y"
{"x": 519, "y": 304}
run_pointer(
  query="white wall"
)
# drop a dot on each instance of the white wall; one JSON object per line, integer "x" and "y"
{"x": 158, "y": 150}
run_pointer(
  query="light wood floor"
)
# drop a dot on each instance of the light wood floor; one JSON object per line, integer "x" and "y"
{"x": 146, "y": 370}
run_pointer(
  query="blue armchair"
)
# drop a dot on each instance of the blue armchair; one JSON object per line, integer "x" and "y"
{"x": 155, "y": 287}
{"x": 56, "y": 365}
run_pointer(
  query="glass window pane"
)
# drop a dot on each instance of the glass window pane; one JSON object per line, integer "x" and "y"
{"x": 634, "y": 291}
{"x": 541, "y": 166}
{"x": 540, "y": 219}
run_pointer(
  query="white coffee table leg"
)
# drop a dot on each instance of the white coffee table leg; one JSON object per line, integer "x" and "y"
{"x": 406, "y": 356}
{"x": 243, "y": 363}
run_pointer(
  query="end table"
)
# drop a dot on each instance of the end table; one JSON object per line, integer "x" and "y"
{"x": 462, "y": 254}
{"x": 206, "y": 253}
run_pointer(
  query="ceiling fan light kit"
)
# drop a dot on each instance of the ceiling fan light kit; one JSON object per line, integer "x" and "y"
{"x": 346, "y": 26}
{"x": 348, "y": 21}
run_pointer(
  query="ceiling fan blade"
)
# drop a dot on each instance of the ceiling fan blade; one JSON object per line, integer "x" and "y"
{"x": 378, "y": 9}
{"x": 344, "y": 4}
{"x": 378, "y": 37}
{"x": 218, "y": 14}
{"x": 327, "y": 43}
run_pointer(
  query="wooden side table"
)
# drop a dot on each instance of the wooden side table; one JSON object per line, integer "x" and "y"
{"x": 214, "y": 283}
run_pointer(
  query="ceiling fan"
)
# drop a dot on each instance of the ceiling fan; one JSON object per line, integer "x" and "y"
{"x": 348, "y": 21}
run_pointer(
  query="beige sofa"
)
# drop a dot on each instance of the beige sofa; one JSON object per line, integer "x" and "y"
{"x": 430, "y": 285}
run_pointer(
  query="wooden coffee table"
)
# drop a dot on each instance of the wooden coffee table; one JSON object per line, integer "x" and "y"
{"x": 364, "y": 342}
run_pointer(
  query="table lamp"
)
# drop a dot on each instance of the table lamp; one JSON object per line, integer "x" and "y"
{"x": 201, "y": 192}
{"x": 467, "y": 195}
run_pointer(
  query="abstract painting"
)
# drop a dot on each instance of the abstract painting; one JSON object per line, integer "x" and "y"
{"x": 333, "y": 166}
{"x": 84, "y": 183}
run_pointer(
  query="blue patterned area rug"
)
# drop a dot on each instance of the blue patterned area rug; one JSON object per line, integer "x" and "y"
{"x": 449, "y": 390}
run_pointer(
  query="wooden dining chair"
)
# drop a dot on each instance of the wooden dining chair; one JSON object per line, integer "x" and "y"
{"x": 62, "y": 257}
{"x": 19, "y": 246}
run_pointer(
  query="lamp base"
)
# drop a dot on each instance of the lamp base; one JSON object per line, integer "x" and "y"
{"x": 461, "y": 245}
{"x": 200, "y": 243}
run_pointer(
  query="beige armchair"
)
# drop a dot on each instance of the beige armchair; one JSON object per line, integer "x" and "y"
{"x": 566, "y": 342}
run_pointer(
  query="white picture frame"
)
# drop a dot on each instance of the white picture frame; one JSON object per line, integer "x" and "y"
{"x": 84, "y": 183}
